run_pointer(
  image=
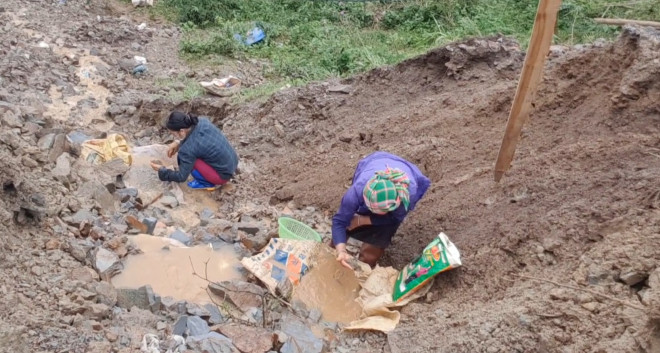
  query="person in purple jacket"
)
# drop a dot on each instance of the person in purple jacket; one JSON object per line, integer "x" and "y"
{"x": 385, "y": 188}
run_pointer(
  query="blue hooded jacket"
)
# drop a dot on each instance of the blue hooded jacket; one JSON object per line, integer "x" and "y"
{"x": 205, "y": 142}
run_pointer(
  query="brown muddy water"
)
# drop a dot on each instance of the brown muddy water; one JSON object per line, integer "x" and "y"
{"x": 331, "y": 288}
{"x": 169, "y": 271}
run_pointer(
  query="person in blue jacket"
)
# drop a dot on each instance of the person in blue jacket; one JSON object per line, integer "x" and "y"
{"x": 203, "y": 152}
{"x": 385, "y": 188}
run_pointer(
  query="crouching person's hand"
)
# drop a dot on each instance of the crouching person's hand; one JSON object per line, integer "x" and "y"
{"x": 343, "y": 257}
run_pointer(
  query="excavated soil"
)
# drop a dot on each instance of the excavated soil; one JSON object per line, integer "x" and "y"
{"x": 577, "y": 207}
{"x": 560, "y": 256}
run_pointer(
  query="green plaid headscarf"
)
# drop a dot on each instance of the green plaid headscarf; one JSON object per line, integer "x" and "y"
{"x": 386, "y": 190}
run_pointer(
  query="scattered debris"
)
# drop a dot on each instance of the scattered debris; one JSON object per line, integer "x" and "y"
{"x": 137, "y": 3}
{"x": 255, "y": 35}
{"x": 222, "y": 87}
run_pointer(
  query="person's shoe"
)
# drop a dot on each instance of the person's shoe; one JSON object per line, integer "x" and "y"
{"x": 201, "y": 185}
{"x": 199, "y": 182}
{"x": 197, "y": 175}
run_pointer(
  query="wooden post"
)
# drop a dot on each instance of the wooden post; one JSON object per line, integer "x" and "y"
{"x": 532, "y": 73}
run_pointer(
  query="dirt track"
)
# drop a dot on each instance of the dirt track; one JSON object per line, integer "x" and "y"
{"x": 579, "y": 206}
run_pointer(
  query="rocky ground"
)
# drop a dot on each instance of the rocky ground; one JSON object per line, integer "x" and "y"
{"x": 561, "y": 256}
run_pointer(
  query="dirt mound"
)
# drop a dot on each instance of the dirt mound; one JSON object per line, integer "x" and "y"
{"x": 588, "y": 157}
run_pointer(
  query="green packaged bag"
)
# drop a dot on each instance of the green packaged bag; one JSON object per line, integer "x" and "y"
{"x": 439, "y": 256}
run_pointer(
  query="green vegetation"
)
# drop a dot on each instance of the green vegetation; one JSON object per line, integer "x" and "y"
{"x": 316, "y": 39}
{"x": 180, "y": 88}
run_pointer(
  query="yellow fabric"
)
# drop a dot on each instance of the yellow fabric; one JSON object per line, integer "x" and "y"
{"x": 104, "y": 150}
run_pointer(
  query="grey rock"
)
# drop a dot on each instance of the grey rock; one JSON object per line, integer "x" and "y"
{"x": 257, "y": 242}
{"x": 216, "y": 243}
{"x": 142, "y": 298}
{"x": 242, "y": 294}
{"x": 217, "y": 226}
{"x": 126, "y": 194}
{"x": 119, "y": 228}
{"x": 215, "y": 316}
{"x": 180, "y": 326}
{"x": 11, "y": 139}
{"x": 524, "y": 320}
{"x": 241, "y": 251}
{"x": 105, "y": 293}
{"x": 97, "y": 311}
{"x": 300, "y": 339}
{"x": 107, "y": 262}
{"x": 253, "y": 315}
{"x": 150, "y": 222}
{"x": 11, "y": 120}
{"x": 30, "y": 128}
{"x": 77, "y": 251}
{"x": 207, "y": 238}
{"x": 173, "y": 344}
{"x": 46, "y": 142}
{"x": 6, "y": 107}
{"x": 85, "y": 294}
{"x": 596, "y": 278}
{"x": 114, "y": 167}
{"x": 38, "y": 199}
{"x": 339, "y": 88}
{"x": 58, "y": 147}
{"x": 62, "y": 166}
{"x": 190, "y": 326}
{"x": 29, "y": 162}
{"x": 127, "y": 64}
{"x": 119, "y": 182}
{"x": 227, "y": 238}
{"x": 197, "y": 310}
{"x": 633, "y": 277}
{"x": 315, "y": 315}
{"x": 169, "y": 201}
{"x": 80, "y": 217}
{"x": 173, "y": 305}
{"x": 116, "y": 109}
{"x": 346, "y": 138}
{"x": 196, "y": 326}
{"x": 300, "y": 308}
{"x": 181, "y": 236}
{"x": 95, "y": 190}
{"x": 205, "y": 216}
{"x": 76, "y": 138}
{"x": 211, "y": 342}
{"x": 248, "y": 339}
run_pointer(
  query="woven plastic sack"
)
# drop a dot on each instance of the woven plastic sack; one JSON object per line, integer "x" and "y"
{"x": 439, "y": 256}
{"x": 99, "y": 151}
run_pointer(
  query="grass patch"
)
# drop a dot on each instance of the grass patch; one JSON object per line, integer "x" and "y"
{"x": 316, "y": 39}
{"x": 180, "y": 88}
{"x": 262, "y": 92}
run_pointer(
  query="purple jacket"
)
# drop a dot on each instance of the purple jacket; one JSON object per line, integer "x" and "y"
{"x": 353, "y": 202}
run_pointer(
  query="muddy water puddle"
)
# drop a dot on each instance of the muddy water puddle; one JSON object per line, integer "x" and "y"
{"x": 330, "y": 288}
{"x": 169, "y": 271}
